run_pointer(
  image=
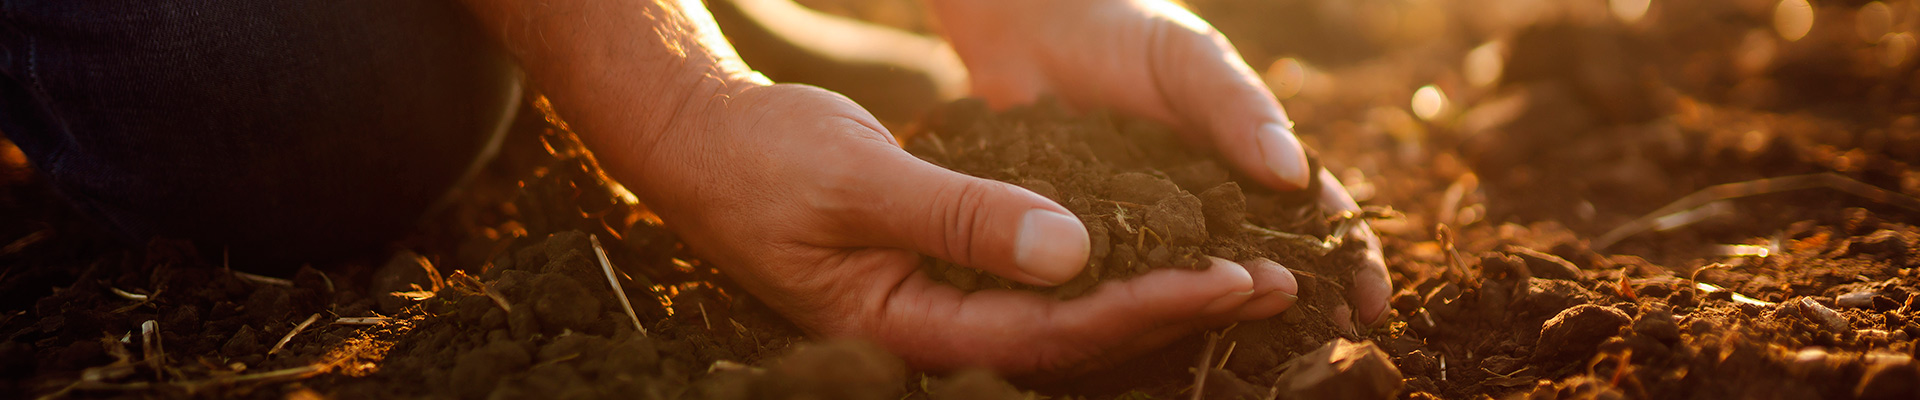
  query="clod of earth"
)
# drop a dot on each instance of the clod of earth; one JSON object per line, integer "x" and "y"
{"x": 1341, "y": 370}
{"x": 1576, "y": 332}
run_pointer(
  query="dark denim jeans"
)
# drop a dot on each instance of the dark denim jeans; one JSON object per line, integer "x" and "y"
{"x": 292, "y": 128}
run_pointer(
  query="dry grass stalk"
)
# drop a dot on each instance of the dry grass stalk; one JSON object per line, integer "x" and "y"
{"x": 362, "y": 321}
{"x": 296, "y": 330}
{"x": 1343, "y": 223}
{"x": 619, "y": 292}
{"x": 1206, "y": 364}
{"x": 264, "y": 280}
{"x": 461, "y": 281}
{"x": 197, "y": 386}
{"x": 1227, "y": 356}
{"x": 703, "y": 316}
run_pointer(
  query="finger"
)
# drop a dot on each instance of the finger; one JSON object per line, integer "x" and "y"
{"x": 902, "y": 202}
{"x": 1006, "y": 86}
{"x": 1371, "y": 285}
{"x": 935, "y": 326}
{"x": 1205, "y": 81}
{"x": 1275, "y": 289}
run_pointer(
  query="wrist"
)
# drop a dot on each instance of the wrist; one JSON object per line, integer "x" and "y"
{"x": 637, "y": 138}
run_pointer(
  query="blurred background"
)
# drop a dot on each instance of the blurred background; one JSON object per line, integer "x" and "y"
{"x": 1588, "y": 112}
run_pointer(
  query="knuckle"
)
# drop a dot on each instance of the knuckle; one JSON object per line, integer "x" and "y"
{"x": 962, "y": 214}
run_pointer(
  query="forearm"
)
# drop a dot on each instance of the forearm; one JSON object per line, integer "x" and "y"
{"x": 625, "y": 74}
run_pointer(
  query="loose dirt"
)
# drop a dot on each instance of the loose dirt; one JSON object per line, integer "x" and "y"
{"x": 1560, "y": 122}
{"x": 1147, "y": 201}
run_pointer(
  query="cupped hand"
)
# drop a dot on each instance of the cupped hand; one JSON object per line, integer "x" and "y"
{"x": 805, "y": 200}
{"x": 1154, "y": 59}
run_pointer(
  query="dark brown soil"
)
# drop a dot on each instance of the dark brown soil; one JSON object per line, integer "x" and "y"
{"x": 1147, "y": 201}
{"x": 1593, "y": 122}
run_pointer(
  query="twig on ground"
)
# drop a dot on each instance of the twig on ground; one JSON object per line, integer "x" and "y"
{"x": 296, "y": 330}
{"x": 703, "y": 316}
{"x": 362, "y": 321}
{"x": 1206, "y": 364}
{"x": 618, "y": 292}
{"x": 264, "y": 280}
{"x": 1227, "y": 356}
{"x": 1677, "y": 213}
{"x": 1737, "y": 297}
{"x": 196, "y": 386}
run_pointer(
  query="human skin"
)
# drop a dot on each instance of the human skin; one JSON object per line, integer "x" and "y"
{"x": 806, "y": 201}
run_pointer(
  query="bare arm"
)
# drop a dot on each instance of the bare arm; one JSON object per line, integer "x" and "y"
{"x": 624, "y": 72}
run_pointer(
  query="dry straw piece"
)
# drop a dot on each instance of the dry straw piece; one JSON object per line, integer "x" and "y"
{"x": 296, "y": 330}
{"x": 617, "y": 291}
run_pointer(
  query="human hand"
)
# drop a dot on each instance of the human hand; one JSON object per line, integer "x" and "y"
{"x": 806, "y": 201}
{"x": 1153, "y": 59}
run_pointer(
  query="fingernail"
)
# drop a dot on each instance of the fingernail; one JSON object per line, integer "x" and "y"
{"x": 1282, "y": 153}
{"x": 1052, "y": 247}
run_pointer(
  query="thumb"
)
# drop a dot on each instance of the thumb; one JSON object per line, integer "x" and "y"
{"x": 1207, "y": 83}
{"x": 1000, "y": 228}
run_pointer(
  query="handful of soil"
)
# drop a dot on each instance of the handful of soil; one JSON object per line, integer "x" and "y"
{"x": 1147, "y": 199}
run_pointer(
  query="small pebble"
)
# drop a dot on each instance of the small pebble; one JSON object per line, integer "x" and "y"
{"x": 1862, "y": 299}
